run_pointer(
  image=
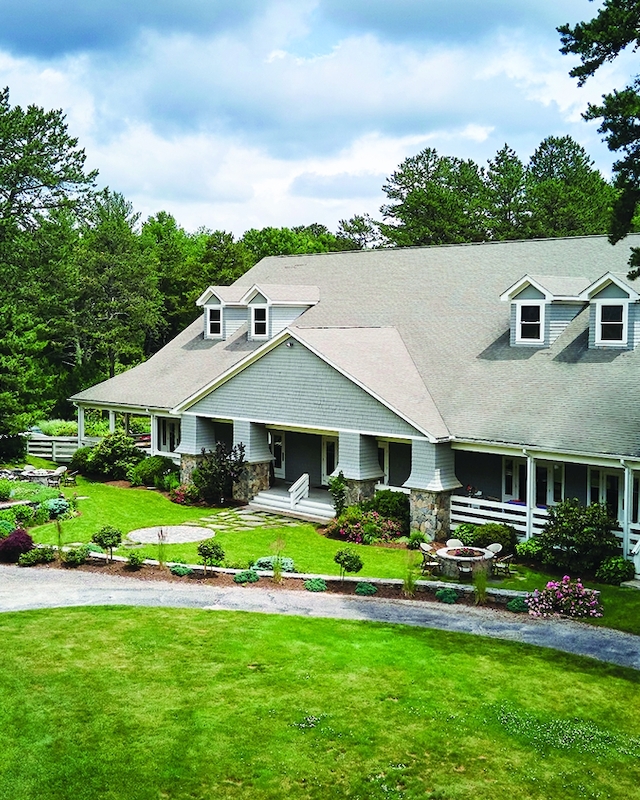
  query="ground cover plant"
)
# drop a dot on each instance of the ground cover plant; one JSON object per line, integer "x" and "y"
{"x": 253, "y": 706}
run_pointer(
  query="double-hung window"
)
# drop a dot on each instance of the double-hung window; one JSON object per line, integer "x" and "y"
{"x": 611, "y": 323}
{"x": 215, "y": 323}
{"x": 530, "y": 323}
{"x": 259, "y": 322}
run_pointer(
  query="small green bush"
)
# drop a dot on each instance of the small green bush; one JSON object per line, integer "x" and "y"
{"x": 391, "y": 505}
{"x": 39, "y": 555}
{"x": 338, "y": 492}
{"x": 24, "y": 515}
{"x": 75, "y": 556}
{"x": 492, "y": 532}
{"x": 57, "y": 507}
{"x": 615, "y": 570}
{"x": 466, "y": 532}
{"x": 365, "y": 589}
{"x": 114, "y": 457}
{"x": 152, "y": 471}
{"x": 135, "y": 560}
{"x": 33, "y": 492}
{"x": 58, "y": 427}
{"x": 266, "y": 562}
{"x": 529, "y": 551}
{"x": 181, "y": 570}
{"x": 5, "y": 488}
{"x": 315, "y": 585}
{"x": 92, "y": 547}
{"x": 415, "y": 540}
{"x": 80, "y": 461}
{"x": 9, "y": 515}
{"x": 6, "y": 528}
{"x": 246, "y": 576}
{"x": 211, "y": 553}
{"x": 108, "y": 537}
{"x": 518, "y": 605}
{"x": 447, "y": 595}
{"x": 348, "y": 561}
{"x": 41, "y": 515}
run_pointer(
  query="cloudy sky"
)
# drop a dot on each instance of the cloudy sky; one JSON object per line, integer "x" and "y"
{"x": 245, "y": 113}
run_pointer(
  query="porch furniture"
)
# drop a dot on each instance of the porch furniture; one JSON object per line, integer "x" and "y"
{"x": 430, "y": 562}
{"x": 455, "y": 543}
{"x": 502, "y": 566}
{"x": 69, "y": 478}
{"x": 465, "y": 570}
{"x": 54, "y": 478}
{"x": 495, "y": 548}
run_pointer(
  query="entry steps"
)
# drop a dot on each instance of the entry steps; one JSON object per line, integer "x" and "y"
{"x": 305, "y": 509}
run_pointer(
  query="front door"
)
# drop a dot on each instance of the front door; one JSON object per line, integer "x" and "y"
{"x": 329, "y": 457}
{"x": 277, "y": 448}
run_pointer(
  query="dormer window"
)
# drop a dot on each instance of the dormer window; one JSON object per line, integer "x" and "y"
{"x": 259, "y": 322}
{"x": 611, "y": 323}
{"x": 530, "y": 323}
{"x": 215, "y": 323}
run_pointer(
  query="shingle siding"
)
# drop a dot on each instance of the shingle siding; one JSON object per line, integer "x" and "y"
{"x": 432, "y": 467}
{"x": 558, "y": 316}
{"x": 358, "y": 457}
{"x": 282, "y": 316}
{"x": 291, "y": 386}
{"x": 196, "y": 433}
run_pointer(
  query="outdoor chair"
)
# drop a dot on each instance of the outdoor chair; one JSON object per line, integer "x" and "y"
{"x": 56, "y": 476}
{"x": 430, "y": 564}
{"x": 465, "y": 571}
{"x": 495, "y": 548}
{"x": 69, "y": 478}
{"x": 502, "y": 566}
{"x": 455, "y": 543}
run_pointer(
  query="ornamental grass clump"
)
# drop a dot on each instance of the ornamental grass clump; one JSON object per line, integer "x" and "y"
{"x": 567, "y": 598}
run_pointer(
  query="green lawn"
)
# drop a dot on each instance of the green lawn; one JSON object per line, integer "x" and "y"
{"x": 141, "y": 704}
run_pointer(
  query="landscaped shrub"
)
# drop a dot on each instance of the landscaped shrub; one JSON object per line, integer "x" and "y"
{"x": 39, "y": 555}
{"x": 15, "y": 545}
{"x": 75, "y": 556}
{"x": 217, "y": 471}
{"x": 57, "y": 507}
{"x": 34, "y": 492}
{"x": 152, "y": 471}
{"x": 24, "y": 515}
{"x": 615, "y": 570}
{"x": 363, "y": 527}
{"x": 9, "y": 515}
{"x": 416, "y": 539}
{"x": 5, "y": 488}
{"x": 494, "y": 532}
{"x": 338, "y": 492}
{"x": 211, "y": 553}
{"x": 92, "y": 547}
{"x": 578, "y": 538}
{"x": 348, "y": 561}
{"x": 517, "y": 605}
{"x": 529, "y": 551}
{"x": 391, "y": 505}
{"x": 566, "y": 597}
{"x": 246, "y": 576}
{"x": 58, "y": 427}
{"x": 185, "y": 495}
{"x": 12, "y": 448}
{"x": 447, "y": 595}
{"x": 6, "y": 527}
{"x": 80, "y": 461}
{"x": 366, "y": 589}
{"x": 135, "y": 560}
{"x": 266, "y": 562}
{"x": 114, "y": 457}
{"x": 108, "y": 537}
{"x": 315, "y": 585}
{"x": 41, "y": 515}
{"x": 466, "y": 532}
{"x": 181, "y": 570}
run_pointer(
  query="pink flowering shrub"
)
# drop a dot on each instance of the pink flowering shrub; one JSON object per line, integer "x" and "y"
{"x": 566, "y": 597}
{"x": 185, "y": 495}
{"x": 363, "y": 527}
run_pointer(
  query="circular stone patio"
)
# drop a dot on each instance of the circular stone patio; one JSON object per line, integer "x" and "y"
{"x": 174, "y": 534}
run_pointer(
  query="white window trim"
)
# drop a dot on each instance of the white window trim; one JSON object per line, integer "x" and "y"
{"x": 599, "y": 304}
{"x": 542, "y": 306}
{"x": 255, "y": 335}
{"x": 215, "y": 335}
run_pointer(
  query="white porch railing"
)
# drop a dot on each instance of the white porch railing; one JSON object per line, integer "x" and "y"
{"x": 54, "y": 448}
{"x": 477, "y": 511}
{"x": 299, "y": 490}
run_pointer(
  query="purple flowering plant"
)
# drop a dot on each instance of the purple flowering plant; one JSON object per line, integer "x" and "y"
{"x": 363, "y": 527}
{"x": 564, "y": 598}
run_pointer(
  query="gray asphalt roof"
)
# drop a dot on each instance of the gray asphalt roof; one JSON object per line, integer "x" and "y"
{"x": 444, "y": 304}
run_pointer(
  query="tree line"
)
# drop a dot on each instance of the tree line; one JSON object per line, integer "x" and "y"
{"x": 87, "y": 289}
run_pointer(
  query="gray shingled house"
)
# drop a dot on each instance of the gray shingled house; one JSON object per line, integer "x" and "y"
{"x": 488, "y": 381}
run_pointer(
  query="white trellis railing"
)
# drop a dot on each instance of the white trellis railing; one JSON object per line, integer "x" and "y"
{"x": 299, "y": 490}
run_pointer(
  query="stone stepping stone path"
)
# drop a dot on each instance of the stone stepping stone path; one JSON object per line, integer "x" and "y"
{"x": 228, "y": 520}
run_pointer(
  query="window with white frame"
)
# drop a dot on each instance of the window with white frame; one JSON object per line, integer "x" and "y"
{"x": 259, "y": 322}
{"x": 215, "y": 323}
{"x": 530, "y": 323}
{"x": 611, "y": 323}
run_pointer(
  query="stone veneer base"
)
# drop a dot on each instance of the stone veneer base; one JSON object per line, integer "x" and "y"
{"x": 430, "y": 513}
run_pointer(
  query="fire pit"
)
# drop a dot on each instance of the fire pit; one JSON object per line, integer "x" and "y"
{"x": 475, "y": 557}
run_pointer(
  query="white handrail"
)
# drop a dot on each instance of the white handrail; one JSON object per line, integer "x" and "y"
{"x": 299, "y": 489}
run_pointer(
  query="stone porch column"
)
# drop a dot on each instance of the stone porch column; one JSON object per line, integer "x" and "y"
{"x": 255, "y": 477}
{"x": 431, "y": 482}
{"x": 358, "y": 461}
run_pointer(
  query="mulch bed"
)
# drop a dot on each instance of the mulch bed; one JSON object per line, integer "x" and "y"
{"x": 222, "y": 579}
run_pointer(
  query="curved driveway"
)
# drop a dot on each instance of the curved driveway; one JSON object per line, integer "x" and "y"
{"x": 23, "y": 589}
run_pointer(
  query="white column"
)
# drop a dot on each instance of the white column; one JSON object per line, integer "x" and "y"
{"x": 628, "y": 502}
{"x": 126, "y": 424}
{"x": 531, "y": 493}
{"x": 112, "y": 421}
{"x": 80, "y": 425}
{"x": 154, "y": 434}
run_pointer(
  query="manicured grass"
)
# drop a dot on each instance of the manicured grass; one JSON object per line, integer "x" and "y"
{"x": 155, "y": 703}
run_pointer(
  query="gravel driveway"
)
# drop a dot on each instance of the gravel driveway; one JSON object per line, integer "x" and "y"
{"x": 22, "y": 589}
